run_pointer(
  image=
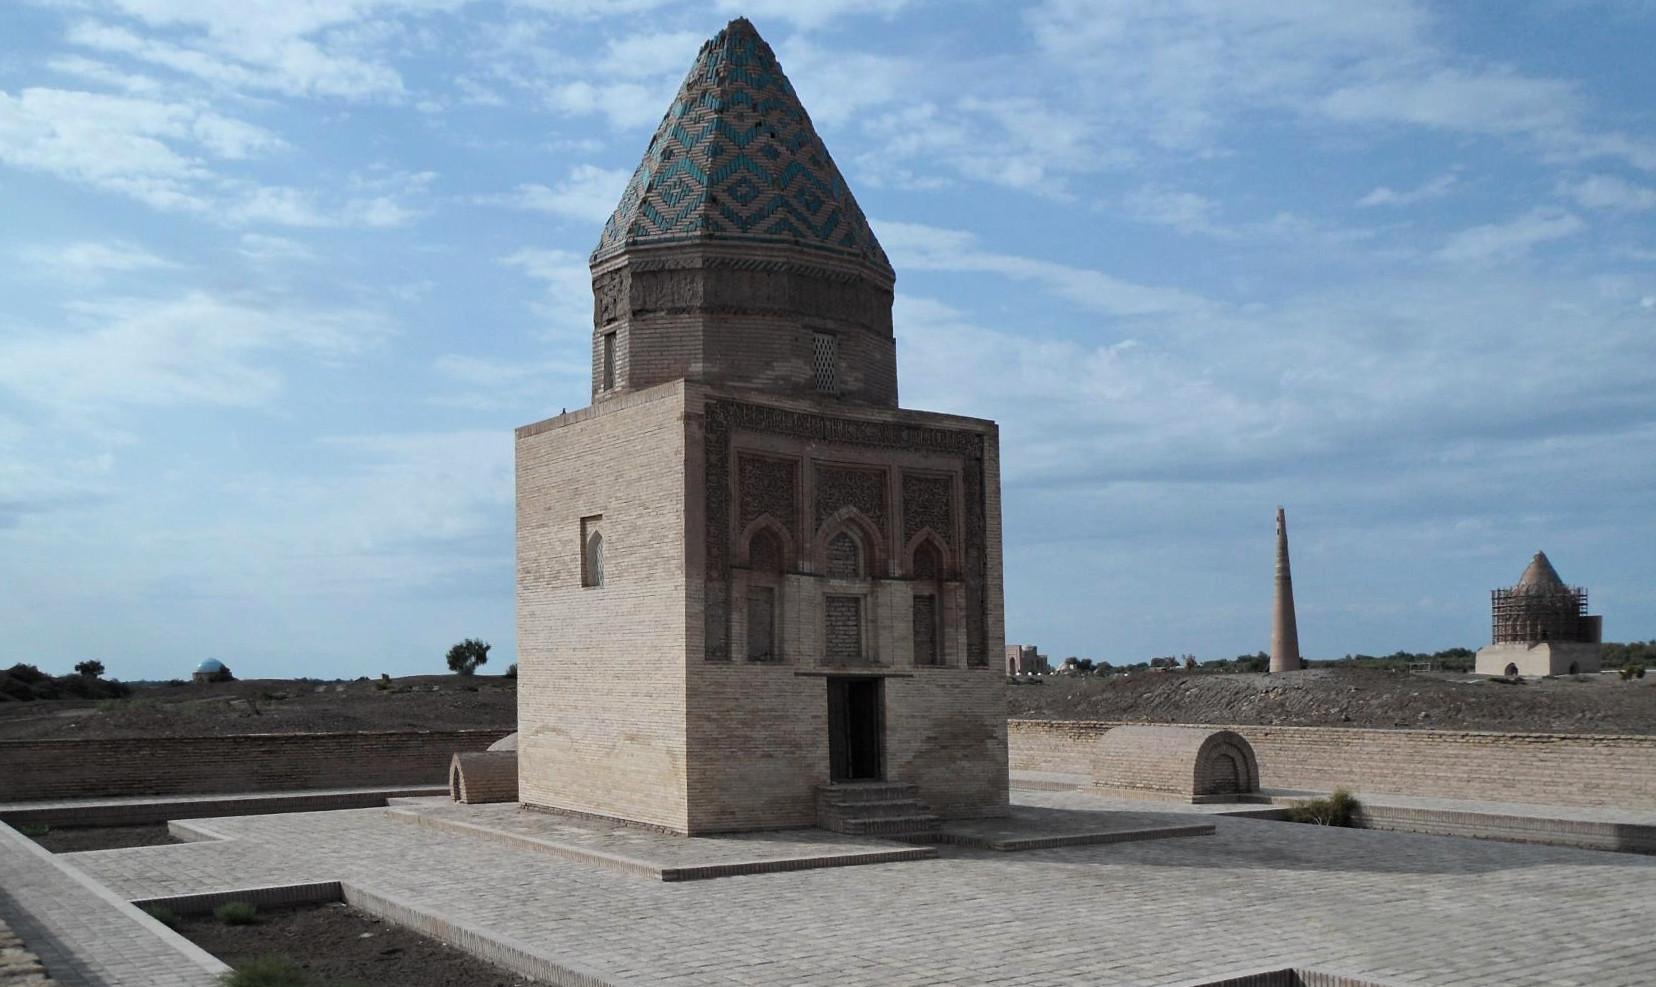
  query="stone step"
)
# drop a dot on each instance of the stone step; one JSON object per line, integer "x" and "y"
{"x": 894, "y": 826}
{"x": 874, "y": 810}
{"x": 891, "y": 808}
{"x": 866, "y": 791}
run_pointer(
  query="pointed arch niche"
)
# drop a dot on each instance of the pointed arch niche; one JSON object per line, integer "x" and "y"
{"x": 767, "y": 554}
{"x": 926, "y": 564}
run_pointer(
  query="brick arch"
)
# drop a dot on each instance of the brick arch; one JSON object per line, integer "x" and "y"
{"x": 1191, "y": 763}
{"x": 927, "y": 540}
{"x": 849, "y": 520}
{"x": 766, "y": 524}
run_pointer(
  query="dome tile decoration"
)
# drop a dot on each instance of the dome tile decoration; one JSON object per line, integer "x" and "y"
{"x": 736, "y": 158}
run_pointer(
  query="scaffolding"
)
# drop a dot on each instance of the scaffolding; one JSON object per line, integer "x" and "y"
{"x": 1532, "y": 614}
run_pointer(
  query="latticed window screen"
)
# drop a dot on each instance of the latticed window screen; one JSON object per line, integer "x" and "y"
{"x": 925, "y": 630}
{"x": 844, "y": 556}
{"x": 843, "y": 627}
{"x": 825, "y": 362}
{"x": 761, "y": 615}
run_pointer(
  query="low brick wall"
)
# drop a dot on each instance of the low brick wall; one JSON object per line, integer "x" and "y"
{"x": 1555, "y": 769}
{"x": 68, "y": 769}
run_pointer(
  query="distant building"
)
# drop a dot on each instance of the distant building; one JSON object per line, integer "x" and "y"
{"x": 1285, "y": 652}
{"x": 1541, "y": 627}
{"x": 212, "y": 670}
{"x": 1024, "y": 659}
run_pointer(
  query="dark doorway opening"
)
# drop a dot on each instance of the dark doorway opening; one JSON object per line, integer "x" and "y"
{"x": 856, "y": 717}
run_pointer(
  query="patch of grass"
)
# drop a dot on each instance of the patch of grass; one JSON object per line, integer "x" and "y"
{"x": 1335, "y": 810}
{"x": 236, "y": 913}
{"x": 33, "y": 831}
{"x": 161, "y": 913}
{"x": 267, "y": 971}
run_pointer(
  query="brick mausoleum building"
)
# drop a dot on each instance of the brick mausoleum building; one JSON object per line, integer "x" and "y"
{"x": 747, "y": 579}
{"x": 1541, "y": 627}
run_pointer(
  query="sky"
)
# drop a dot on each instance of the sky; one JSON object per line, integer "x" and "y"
{"x": 279, "y": 277}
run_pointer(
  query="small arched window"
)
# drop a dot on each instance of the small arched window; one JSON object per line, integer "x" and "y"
{"x": 765, "y": 552}
{"x": 592, "y": 551}
{"x": 928, "y": 562}
{"x": 844, "y": 556}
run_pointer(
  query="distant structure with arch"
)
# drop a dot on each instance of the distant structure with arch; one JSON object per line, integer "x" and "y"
{"x": 1176, "y": 763}
{"x": 1540, "y": 626}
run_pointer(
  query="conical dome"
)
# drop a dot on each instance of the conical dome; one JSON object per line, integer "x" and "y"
{"x": 1540, "y": 576}
{"x": 735, "y": 159}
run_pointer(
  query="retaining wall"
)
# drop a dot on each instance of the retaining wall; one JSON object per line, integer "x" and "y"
{"x": 65, "y": 769}
{"x": 1555, "y": 769}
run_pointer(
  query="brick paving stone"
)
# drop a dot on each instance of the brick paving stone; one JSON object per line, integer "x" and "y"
{"x": 1406, "y": 909}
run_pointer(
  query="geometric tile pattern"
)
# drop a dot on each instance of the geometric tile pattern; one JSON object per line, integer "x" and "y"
{"x": 736, "y": 158}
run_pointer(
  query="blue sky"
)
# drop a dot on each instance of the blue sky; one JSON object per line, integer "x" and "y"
{"x": 279, "y": 278}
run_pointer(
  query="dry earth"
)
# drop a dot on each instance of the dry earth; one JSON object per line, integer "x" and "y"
{"x": 1320, "y": 697}
{"x": 1349, "y": 698}
{"x": 421, "y": 702}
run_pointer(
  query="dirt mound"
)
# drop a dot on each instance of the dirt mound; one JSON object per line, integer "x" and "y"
{"x": 1348, "y": 698}
{"x": 421, "y": 702}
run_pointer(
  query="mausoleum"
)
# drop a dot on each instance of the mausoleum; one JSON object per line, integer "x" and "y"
{"x": 1541, "y": 627}
{"x": 747, "y": 579}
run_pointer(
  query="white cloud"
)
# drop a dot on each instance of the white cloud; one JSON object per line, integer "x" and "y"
{"x": 1383, "y": 195}
{"x": 589, "y": 194}
{"x": 1510, "y": 240}
{"x": 625, "y": 104}
{"x": 1610, "y": 192}
{"x": 263, "y": 248}
{"x": 813, "y": 14}
{"x": 89, "y": 262}
{"x": 930, "y": 248}
{"x": 146, "y": 149}
{"x": 567, "y": 305}
{"x": 195, "y": 348}
{"x": 250, "y": 46}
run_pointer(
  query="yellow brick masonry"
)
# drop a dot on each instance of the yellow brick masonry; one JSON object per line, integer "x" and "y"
{"x": 601, "y": 708}
{"x": 1555, "y": 769}
{"x": 620, "y": 713}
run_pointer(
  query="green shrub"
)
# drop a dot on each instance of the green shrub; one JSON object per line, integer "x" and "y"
{"x": 511, "y": 671}
{"x": 33, "y": 831}
{"x": 161, "y": 913}
{"x": 1335, "y": 810}
{"x": 1630, "y": 671}
{"x": 236, "y": 913}
{"x": 267, "y": 971}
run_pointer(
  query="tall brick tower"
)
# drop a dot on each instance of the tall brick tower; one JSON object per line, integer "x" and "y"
{"x": 1285, "y": 653}
{"x": 748, "y": 582}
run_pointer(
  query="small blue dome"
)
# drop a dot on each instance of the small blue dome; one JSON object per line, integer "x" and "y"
{"x": 210, "y": 665}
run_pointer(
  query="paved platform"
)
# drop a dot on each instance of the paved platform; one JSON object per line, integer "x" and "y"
{"x": 1379, "y": 907}
{"x": 654, "y": 855}
{"x": 84, "y": 934}
{"x": 140, "y": 809}
{"x": 1624, "y": 830}
{"x": 1036, "y": 828}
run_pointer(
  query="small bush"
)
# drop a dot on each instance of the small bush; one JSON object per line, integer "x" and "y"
{"x": 1629, "y": 672}
{"x": 33, "y": 831}
{"x": 1335, "y": 810}
{"x": 236, "y": 913}
{"x": 161, "y": 913}
{"x": 267, "y": 971}
{"x": 511, "y": 671}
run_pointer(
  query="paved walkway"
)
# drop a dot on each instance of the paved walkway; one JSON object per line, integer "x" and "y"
{"x": 85, "y": 935}
{"x": 1406, "y": 909}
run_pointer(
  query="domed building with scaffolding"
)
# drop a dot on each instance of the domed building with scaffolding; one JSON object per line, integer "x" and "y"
{"x": 1541, "y": 627}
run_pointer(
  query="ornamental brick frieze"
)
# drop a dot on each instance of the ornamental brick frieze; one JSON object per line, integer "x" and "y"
{"x": 928, "y": 502}
{"x": 863, "y": 489}
{"x": 721, "y": 419}
{"x": 767, "y": 486}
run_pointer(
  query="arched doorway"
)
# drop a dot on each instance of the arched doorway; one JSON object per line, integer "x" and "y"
{"x": 1511, "y": 670}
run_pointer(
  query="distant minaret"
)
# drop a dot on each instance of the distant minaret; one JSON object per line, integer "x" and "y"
{"x": 1285, "y": 653}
